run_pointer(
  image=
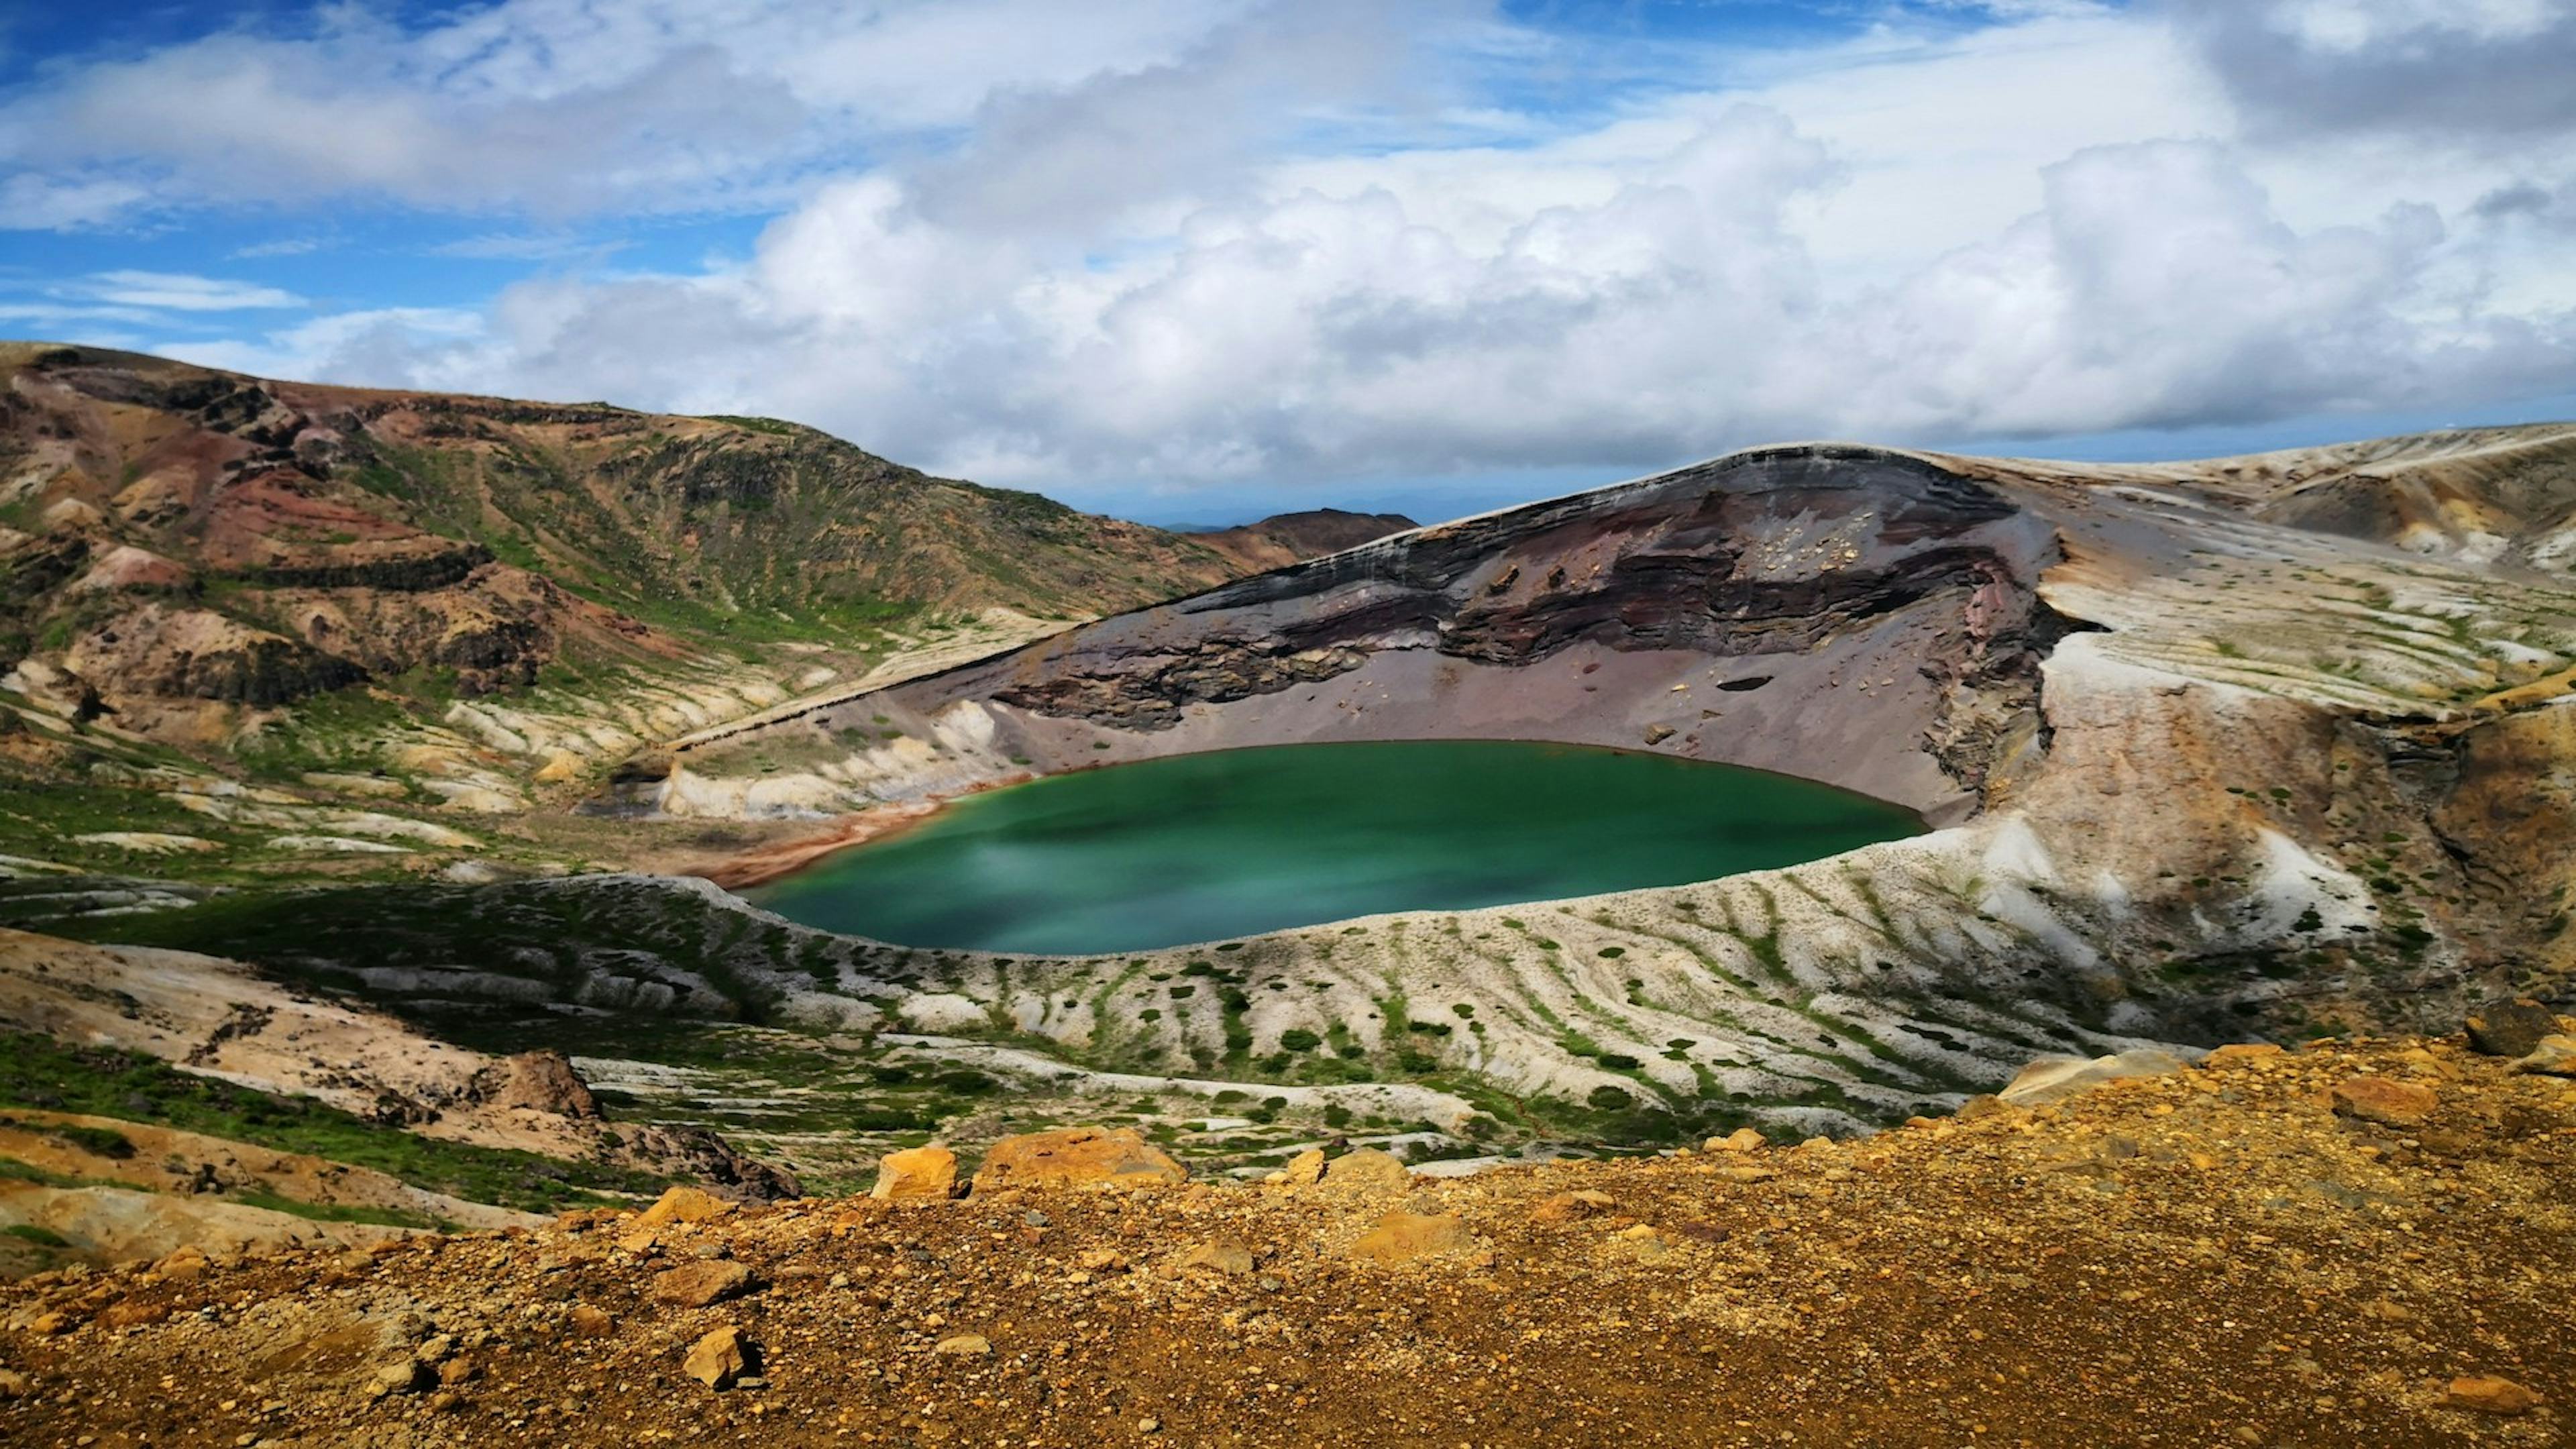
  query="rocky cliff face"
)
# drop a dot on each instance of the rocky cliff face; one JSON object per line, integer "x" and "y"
{"x": 1754, "y": 586}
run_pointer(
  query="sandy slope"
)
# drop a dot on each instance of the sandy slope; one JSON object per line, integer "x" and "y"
{"x": 2338, "y": 1247}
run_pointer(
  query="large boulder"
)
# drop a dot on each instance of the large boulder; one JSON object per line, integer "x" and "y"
{"x": 2509, "y": 1028}
{"x": 2384, "y": 1100}
{"x": 916, "y": 1174}
{"x": 540, "y": 1081}
{"x": 719, "y": 1358}
{"x": 2054, "y": 1079}
{"x": 1368, "y": 1172}
{"x": 1077, "y": 1157}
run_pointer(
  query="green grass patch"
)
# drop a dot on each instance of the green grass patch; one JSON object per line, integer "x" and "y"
{"x": 39, "y": 1072}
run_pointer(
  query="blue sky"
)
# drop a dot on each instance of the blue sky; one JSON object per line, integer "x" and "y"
{"x": 1198, "y": 259}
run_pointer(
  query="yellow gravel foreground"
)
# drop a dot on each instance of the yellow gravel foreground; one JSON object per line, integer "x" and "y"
{"x": 2360, "y": 1244}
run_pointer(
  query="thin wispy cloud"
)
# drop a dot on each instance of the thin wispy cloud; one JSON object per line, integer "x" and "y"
{"x": 179, "y": 292}
{"x": 509, "y": 247}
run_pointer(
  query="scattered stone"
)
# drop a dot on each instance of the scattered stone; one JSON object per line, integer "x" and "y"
{"x": 1305, "y": 1169}
{"x": 1742, "y": 1139}
{"x": 1368, "y": 1172}
{"x": 14, "y": 1385}
{"x": 695, "y": 1285}
{"x": 1401, "y": 1237}
{"x": 2554, "y": 1056}
{"x": 1567, "y": 1207}
{"x": 2484, "y": 1394}
{"x": 1101, "y": 1260}
{"x": 965, "y": 1345}
{"x": 1077, "y": 1157}
{"x": 2510, "y": 1028}
{"x": 591, "y": 1322}
{"x": 2384, "y": 1100}
{"x": 1657, "y": 734}
{"x": 678, "y": 1205}
{"x": 1220, "y": 1256}
{"x": 402, "y": 1376}
{"x": 132, "y": 1313}
{"x": 916, "y": 1174}
{"x": 718, "y": 1359}
{"x": 2242, "y": 1051}
{"x": 2054, "y": 1079}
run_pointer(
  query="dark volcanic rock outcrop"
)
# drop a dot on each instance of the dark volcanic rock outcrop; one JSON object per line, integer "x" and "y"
{"x": 1646, "y": 609}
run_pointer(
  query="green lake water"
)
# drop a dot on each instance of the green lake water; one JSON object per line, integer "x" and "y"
{"x": 1212, "y": 846}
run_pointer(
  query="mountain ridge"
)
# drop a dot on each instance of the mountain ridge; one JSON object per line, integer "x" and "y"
{"x": 460, "y": 597}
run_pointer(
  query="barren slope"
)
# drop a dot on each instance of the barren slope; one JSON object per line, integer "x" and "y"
{"x": 2214, "y": 1258}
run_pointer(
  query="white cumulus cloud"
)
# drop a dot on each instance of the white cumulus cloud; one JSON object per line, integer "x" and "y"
{"x": 1238, "y": 241}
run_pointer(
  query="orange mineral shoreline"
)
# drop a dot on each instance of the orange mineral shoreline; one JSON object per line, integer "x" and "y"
{"x": 764, "y": 863}
{"x": 761, "y": 864}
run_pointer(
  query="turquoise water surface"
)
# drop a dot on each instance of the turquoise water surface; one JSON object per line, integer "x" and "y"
{"x": 1206, "y": 847}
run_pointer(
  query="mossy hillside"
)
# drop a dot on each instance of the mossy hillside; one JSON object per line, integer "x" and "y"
{"x": 40, "y": 1073}
{"x": 749, "y": 1016}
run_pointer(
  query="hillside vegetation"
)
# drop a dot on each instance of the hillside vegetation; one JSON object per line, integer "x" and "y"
{"x": 441, "y": 606}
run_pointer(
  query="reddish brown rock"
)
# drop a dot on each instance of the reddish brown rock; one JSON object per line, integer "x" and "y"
{"x": 695, "y": 1285}
{"x": 1077, "y": 1157}
{"x": 2384, "y": 1100}
{"x": 2484, "y": 1394}
{"x": 131, "y": 1313}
